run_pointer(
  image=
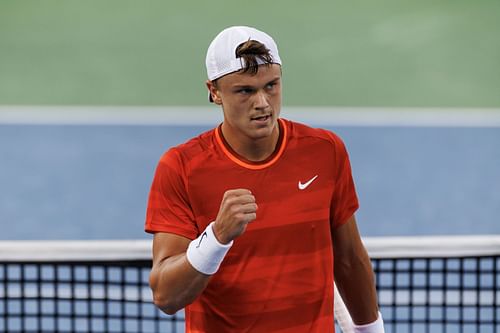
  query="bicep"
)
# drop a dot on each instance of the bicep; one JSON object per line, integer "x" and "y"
{"x": 174, "y": 281}
{"x": 346, "y": 239}
{"x": 167, "y": 245}
{"x": 349, "y": 251}
{"x": 169, "y": 257}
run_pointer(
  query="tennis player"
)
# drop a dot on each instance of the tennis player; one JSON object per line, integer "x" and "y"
{"x": 252, "y": 219}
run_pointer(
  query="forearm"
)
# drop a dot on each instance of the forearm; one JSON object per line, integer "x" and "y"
{"x": 354, "y": 279}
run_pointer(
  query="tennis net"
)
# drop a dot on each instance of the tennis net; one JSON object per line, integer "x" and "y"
{"x": 425, "y": 284}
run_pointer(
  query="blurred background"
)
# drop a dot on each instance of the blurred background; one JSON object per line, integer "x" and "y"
{"x": 63, "y": 62}
{"x": 336, "y": 53}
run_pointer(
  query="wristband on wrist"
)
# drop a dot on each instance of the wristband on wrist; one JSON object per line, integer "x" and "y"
{"x": 205, "y": 253}
{"x": 375, "y": 327}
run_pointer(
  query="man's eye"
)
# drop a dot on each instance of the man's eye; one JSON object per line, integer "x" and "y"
{"x": 245, "y": 91}
{"x": 270, "y": 85}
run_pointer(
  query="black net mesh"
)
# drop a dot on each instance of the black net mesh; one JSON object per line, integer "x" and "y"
{"x": 453, "y": 295}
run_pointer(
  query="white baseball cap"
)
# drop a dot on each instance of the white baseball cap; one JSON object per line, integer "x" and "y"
{"x": 221, "y": 55}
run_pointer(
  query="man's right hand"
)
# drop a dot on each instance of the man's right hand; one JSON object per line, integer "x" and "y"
{"x": 237, "y": 209}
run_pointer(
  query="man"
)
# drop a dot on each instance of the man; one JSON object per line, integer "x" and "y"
{"x": 247, "y": 217}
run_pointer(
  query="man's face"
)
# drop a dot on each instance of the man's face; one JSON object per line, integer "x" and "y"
{"x": 251, "y": 103}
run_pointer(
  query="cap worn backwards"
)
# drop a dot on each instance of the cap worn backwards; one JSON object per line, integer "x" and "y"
{"x": 221, "y": 55}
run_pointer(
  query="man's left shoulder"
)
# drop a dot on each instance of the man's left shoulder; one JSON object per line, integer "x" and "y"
{"x": 302, "y": 131}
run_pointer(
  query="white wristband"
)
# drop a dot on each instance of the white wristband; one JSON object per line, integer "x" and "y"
{"x": 205, "y": 253}
{"x": 376, "y": 327}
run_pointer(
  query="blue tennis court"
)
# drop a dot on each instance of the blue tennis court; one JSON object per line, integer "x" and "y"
{"x": 91, "y": 181}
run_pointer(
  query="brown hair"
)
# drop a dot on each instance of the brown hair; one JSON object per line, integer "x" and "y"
{"x": 251, "y": 51}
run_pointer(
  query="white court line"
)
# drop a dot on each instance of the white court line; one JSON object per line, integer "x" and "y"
{"x": 212, "y": 115}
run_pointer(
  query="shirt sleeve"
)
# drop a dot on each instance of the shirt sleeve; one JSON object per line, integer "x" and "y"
{"x": 344, "y": 199}
{"x": 168, "y": 208}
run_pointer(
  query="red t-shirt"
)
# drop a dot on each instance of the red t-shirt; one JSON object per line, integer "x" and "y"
{"x": 278, "y": 275}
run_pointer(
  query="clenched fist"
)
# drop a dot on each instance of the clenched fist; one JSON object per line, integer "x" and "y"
{"x": 237, "y": 209}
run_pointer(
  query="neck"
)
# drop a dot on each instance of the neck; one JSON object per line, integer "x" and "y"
{"x": 252, "y": 149}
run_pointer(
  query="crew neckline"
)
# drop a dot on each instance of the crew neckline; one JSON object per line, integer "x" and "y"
{"x": 253, "y": 165}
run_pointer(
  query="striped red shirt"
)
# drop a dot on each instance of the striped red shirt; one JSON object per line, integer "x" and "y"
{"x": 278, "y": 275}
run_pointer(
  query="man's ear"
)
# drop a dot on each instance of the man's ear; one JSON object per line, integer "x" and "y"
{"x": 214, "y": 92}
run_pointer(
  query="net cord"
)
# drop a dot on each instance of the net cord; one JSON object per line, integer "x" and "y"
{"x": 377, "y": 247}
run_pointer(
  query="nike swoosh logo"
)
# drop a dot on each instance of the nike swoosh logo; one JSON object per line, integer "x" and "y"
{"x": 305, "y": 185}
{"x": 201, "y": 239}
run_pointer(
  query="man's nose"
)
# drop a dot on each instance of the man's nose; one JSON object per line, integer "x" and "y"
{"x": 261, "y": 101}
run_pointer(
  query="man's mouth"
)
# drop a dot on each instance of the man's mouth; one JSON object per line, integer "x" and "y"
{"x": 261, "y": 118}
